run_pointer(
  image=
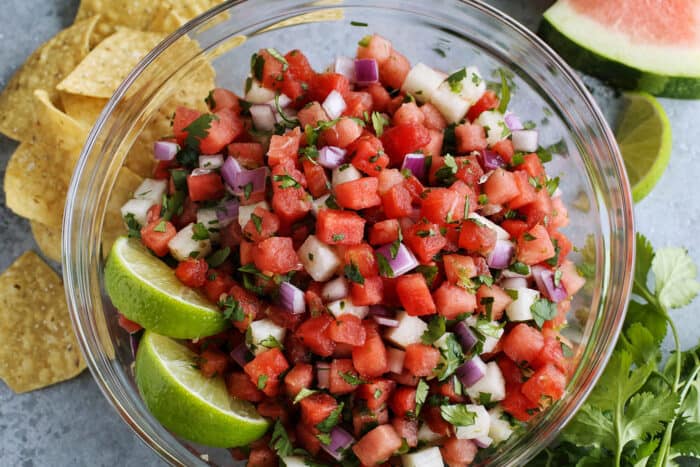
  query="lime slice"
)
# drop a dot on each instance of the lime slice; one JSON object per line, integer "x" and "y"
{"x": 644, "y": 136}
{"x": 196, "y": 408}
{"x": 145, "y": 290}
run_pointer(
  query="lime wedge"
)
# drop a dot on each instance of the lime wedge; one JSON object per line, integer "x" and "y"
{"x": 190, "y": 405}
{"x": 145, "y": 290}
{"x": 644, "y": 136}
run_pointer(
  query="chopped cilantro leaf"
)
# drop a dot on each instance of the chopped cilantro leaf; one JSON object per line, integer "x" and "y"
{"x": 279, "y": 57}
{"x": 304, "y": 393}
{"x": 379, "y": 121}
{"x": 352, "y": 272}
{"x": 455, "y": 80}
{"x": 199, "y": 232}
{"x": 133, "y": 226}
{"x": 351, "y": 378}
{"x": 262, "y": 381}
{"x": 436, "y": 328}
{"x": 543, "y": 310}
{"x": 232, "y": 309}
{"x": 505, "y": 92}
{"x": 257, "y": 222}
{"x": 358, "y": 23}
{"x": 332, "y": 419}
{"x": 384, "y": 266}
{"x": 286, "y": 181}
{"x": 457, "y": 414}
{"x": 217, "y": 258}
{"x": 338, "y": 237}
{"x": 421, "y": 394}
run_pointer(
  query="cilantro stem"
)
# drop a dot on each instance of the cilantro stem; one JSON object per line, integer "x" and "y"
{"x": 661, "y": 459}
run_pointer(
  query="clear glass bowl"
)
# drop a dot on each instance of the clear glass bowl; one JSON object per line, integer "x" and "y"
{"x": 445, "y": 34}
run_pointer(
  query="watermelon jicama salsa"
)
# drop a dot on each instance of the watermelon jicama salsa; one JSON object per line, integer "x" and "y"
{"x": 380, "y": 245}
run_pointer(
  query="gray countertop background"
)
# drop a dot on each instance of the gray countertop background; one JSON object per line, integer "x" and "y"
{"x": 71, "y": 424}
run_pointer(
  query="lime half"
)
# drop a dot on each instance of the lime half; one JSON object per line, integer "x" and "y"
{"x": 145, "y": 290}
{"x": 196, "y": 408}
{"x": 644, "y": 136}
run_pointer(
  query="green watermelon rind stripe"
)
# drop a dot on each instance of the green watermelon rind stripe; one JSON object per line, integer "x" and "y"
{"x": 615, "y": 72}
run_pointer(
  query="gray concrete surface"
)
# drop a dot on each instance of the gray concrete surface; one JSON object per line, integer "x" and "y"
{"x": 71, "y": 424}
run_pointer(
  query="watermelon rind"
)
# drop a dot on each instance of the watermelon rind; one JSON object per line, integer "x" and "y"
{"x": 600, "y": 63}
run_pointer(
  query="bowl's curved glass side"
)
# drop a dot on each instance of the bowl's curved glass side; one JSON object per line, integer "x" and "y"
{"x": 466, "y": 33}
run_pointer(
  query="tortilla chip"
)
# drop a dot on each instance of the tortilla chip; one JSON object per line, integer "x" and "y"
{"x": 82, "y": 108}
{"x": 123, "y": 191}
{"x": 58, "y": 133}
{"x": 38, "y": 345}
{"x": 45, "y": 68}
{"x": 48, "y": 239}
{"x": 33, "y": 189}
{"x": 134, "y": 14}
{"x": 106, "y": 66}
{"x": 166, "y": 20}
{"x": 171, "y": 14}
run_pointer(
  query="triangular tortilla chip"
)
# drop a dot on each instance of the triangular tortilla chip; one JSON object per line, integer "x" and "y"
{"x": 45, "y": 68}
{"x": 134, "y": 14}
{"x": 106, "y": 66}
{"x": 83, "y": 108}
{"x": 38, "y": 345}
{"x": 48, "y": 239}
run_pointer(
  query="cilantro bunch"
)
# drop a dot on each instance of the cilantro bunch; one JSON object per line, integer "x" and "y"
{"x": 642, "y": 412}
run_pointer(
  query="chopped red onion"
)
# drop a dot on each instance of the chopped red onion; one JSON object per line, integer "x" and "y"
{"x": 491, "y": 160}
{"x": 395, "y": 358}
{"x": 402, "y": 263}
{"x": 263, "y": 117}
{"x": 500, "y": 256}
{"x": 525, "y": 140}
{"x": 471, "y": 371}
{"x": 366, "y": 71}
{"x": 239, "y": 353}
{"x": 483, "y": 441}
{"x": 466, "y": 336}
{"x": 211, "y": 162}
{"x": 340, "y": 441}
{"x": 237, "y": 178}
{"x": 227, "y": 212}
{"x": 379, "y": 310}
{"x": 331, "y": 157}
{"x": 513, "y": 283}
{"x": 346, "y": 67}
{"x": 334, "y": 104}
{"x": 415, "y": 162}
{"x": 291, "y": 298}
{"x": 544, "y": 278}
{"x": 388, "y": 322}
{"x": 323, "y": 371}
{"x": 165, "y": 150}
{"x": 513, "y": 122}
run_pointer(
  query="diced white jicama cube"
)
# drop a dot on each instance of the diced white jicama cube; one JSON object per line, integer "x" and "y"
{"x": 441, "y": 343}
{"x": 501, "y": 234}
{"x": 244, "y": 212}
{"x": 519, "y": 309}
{"x": 151, "y": 190}
{"x": 261, "y": 332}
{"x": 283, "y": 102}
{"x": 500, "y": 429}
{"x": 319, "y": 259}
{"x": 525, "y": 140}
{"x": 480, "y": 427}
{"x": 426, "y": 457}
{"x": 492, "y": 383}
{"x": 344, "y": 306}
{"x": 493, "y": 121}
{"x": 422, "y": 81}
{"x": 294, "y": 461}
{"x": 344, "y": 173}
{"x": 211, "y": 162}
{"x": 318, "y": 204}
{"x": 137, "y": 208}
{"x": 451, "y": 105}
{"x": 426, "y": 434}
{"x": 409, "y": 330}
{"x": 208, "y": 218}
{"x": 473, "y": 86}
{"x": 335, "y": 289}
{"x": 491, "y": 330}
{"x": 258, "y": 94}
{"x": 183, "y": 246}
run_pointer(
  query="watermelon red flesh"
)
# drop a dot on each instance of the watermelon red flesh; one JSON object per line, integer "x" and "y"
{"x": 668, "y": 22}
{"x": 645, "y": 45}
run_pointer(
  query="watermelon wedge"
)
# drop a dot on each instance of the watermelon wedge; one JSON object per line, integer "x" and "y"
{"x": 650, "y": 45}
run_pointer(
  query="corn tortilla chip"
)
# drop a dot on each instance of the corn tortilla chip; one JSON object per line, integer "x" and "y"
{"x": 38, "y": 345}
{"x": 48, "y": 239}
{"x": 58, "y": 133}
{"x": 171, "y": 14}
{"x": 83, "y": 108}
{"x": 106, "y": 66}
{"x": 134, "y": 14}
{"x": 33, "y": 189}
{"x": 45, "y": 68}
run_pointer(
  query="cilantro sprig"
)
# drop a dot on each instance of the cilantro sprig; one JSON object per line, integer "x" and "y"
{"x": 642, "y": 412}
